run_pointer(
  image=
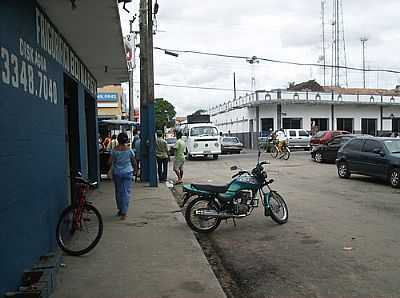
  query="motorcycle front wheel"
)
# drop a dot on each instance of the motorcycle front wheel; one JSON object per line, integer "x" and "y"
{"x": 278, "y": 207}
{"x": 202, "y": 223}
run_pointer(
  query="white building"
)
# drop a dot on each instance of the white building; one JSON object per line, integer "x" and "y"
{"x": 252, "y": 115}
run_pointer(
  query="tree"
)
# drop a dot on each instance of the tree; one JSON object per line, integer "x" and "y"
{"x": 199, "y": 112}
{"x": 165, "y": 113}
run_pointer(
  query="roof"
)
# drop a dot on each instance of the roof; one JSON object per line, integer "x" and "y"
{"x": 311, "y": 85}
{"x": 93, "y": 30}
{"x": 365, "y": 91}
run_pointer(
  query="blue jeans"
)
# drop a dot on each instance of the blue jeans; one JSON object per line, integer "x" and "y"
{"x": 123, "y": 184}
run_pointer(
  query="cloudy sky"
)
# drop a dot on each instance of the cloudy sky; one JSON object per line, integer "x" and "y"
{"x": 283, "y": 30}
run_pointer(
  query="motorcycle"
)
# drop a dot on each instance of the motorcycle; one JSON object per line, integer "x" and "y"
{"x": 237, "y": 199}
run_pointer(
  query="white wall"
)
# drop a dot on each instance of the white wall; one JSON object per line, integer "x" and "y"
{"x": 357, "y": 112}
{"x": 237, "y": 121}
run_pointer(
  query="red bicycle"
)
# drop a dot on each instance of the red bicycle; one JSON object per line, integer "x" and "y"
{"x": 80, "y": 226}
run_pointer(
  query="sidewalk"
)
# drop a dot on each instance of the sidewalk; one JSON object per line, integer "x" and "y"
{"x": 151, "y": 254}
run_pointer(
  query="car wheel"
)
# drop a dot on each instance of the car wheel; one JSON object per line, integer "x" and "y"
{"x": 394, "y": 178}
{"x": 318, "y": 157}
{"x": 343, "y": 170}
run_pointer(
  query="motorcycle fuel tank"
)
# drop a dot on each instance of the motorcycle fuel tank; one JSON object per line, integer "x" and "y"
{"x": 245, "y": 182}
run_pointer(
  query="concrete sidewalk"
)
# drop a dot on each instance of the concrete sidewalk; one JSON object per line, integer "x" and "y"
{"x": 151, "y": 254}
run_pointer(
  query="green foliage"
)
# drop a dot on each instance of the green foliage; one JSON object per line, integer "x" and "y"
{"x": 199, "y": 112}
{"x": 165, "y": 113}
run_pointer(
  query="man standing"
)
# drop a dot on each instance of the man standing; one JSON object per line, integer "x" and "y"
{"x": 162, "y": 157}
{"x": 179, "y": 157}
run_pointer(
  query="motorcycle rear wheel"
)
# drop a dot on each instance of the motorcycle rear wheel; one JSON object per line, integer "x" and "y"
{"x": 199, "y": 223}
{"x": 278, "y": 207}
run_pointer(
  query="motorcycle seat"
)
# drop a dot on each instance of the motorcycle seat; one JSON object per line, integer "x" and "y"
{"x": 211, "y": 188}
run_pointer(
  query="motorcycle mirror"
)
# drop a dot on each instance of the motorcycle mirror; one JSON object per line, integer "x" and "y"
{"x": 234, "y": 168}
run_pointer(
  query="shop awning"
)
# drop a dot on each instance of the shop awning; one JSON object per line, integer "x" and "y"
{"x": 93, "y": 30}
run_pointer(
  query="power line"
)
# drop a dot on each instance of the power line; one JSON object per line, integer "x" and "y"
{"x": 276, "y": 60}
{"x": 198, "y": 87}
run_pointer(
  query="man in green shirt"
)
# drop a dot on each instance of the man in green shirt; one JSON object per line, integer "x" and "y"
{"x": 162, "y": 156}
{"x": 179, "y": 157}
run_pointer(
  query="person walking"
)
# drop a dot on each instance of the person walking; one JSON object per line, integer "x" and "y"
{"x": 122, "y": 160}
{"x": 162, "y": 156}
{"x": 179, "y": 157}
{"x": 113, "y": 143}
{"x": 136, "y": 150}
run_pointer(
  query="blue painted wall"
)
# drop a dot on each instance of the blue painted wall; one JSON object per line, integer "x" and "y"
{"x": 32, "y": 144}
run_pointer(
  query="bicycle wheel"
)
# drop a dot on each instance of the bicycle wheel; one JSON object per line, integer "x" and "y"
{"x": 286, "y": 154}
{"x": 79, "y": 231}
{"x": 274, "y": 152}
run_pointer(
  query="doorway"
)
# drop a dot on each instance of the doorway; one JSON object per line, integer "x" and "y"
{"x": 320, "y": 123}
{"x": 368, "y": 126}
{"x": 396, "y": 125}
{"x": 292, "y": 123}
{"x": 71, "y": 119}
{"x": 266, "y": 125}
{"x": 91, "y": 137}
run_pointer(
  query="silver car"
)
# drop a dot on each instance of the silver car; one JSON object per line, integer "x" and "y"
{"x": 298, "y": 138}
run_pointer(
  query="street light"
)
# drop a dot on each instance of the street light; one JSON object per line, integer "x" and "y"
{"x": 363, "y": 41}
{"x": 252, "y": 61}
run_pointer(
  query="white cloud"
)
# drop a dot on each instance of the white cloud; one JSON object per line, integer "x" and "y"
{"x": 286, "y": 30}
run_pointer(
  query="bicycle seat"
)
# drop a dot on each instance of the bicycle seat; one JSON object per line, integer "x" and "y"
{"x": 211, "y": 188}
{"x": 84, "y": 181}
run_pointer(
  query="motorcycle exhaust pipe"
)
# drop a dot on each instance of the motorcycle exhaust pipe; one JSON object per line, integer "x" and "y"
{"x": 216, "y": 214}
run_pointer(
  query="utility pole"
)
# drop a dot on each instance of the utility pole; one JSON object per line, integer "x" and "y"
{"x": 234, "y": 86}
{"x": 363, "y": 41}
{"x": 147, "y": 114}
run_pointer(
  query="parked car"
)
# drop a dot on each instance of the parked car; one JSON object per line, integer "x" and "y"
{"x": 171, "y": 145}
{"x": 231, "y": 145}
{"x": 371, "y": 156}
{"x": 328, "y": 152}
{"x": 324, "y": 136}
{"x": 298, "y": 138}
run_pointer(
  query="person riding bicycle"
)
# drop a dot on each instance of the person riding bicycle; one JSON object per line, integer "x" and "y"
{"x": 282, "y": 140}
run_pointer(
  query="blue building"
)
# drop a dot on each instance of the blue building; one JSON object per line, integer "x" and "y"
{"x": 53, "y": 56}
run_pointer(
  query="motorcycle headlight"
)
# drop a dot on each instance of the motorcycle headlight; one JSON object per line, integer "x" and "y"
{"x": 195, "y": 145}
{"x": 216, "y": 144}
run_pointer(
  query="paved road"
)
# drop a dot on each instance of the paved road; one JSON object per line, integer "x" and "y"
{"x": 306, "y": 256}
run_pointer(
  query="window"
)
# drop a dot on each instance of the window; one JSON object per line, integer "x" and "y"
{"x": 355, "y": 145}
{"x": 393, "y": 146}
{"x": 292, "y": 133}
{"x": 371, "y": 145}
{"x": 292, "y": 123}
{"x": 203, "y": 131}
{"x": 320, "y": 134}
{"x": 344, "y": 124}
{"x": 303, "y": 133}
{"x": 368, "y": 126}
{"x": 320, "y": 123}
{"x": 230, "y": 140}
{"x": 335, "y": 141}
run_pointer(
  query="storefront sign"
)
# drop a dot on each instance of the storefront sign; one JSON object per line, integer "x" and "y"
{"x": 26, "y": 65}
{"x": 107, "y": 96}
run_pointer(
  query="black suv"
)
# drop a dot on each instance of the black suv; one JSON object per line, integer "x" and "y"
{"x": 371, "y": 156}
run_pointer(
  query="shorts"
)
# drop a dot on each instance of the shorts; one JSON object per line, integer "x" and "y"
{"x": 178, "y": 164}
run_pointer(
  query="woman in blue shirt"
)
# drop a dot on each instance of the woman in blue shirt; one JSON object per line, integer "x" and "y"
{"x": 123, "y": 163}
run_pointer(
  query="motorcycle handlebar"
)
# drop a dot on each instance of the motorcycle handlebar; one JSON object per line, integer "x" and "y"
{"x": 240, "y": 173}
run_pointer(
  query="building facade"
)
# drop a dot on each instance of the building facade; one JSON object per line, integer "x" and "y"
{"x": 111, "y": 102}
{"x": 52, "y": 58}
{"x": 253, "y": 115}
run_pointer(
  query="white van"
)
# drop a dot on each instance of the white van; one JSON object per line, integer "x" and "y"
{"x": 298, "y": 138}
{"x": 202, "y": 139}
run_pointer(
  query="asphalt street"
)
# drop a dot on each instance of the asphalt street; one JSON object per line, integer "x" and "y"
{"x": 342, "y": 238}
